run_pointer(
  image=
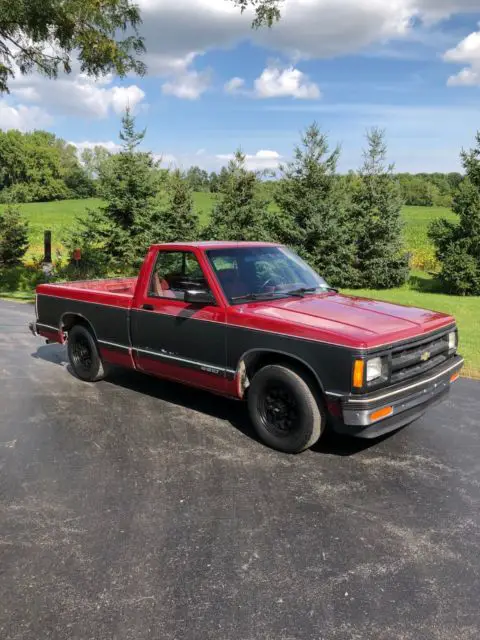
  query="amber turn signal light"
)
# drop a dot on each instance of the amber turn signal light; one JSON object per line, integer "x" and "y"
{"x": 455, "y": 377}
{"x": 358, "y": 373}
{"x": 381, "y": 413}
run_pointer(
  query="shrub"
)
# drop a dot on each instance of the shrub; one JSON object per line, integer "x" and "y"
{"x": 460, "y": 271}
{"x": 13, "y": 237}
{"x": 21, "y": 278}
{"x": 424, "y": 259}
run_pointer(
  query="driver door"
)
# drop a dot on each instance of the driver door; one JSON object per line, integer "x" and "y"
{"x": 175, "y": 339}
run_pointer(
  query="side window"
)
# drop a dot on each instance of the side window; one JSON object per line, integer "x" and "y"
{"x": 174, "y": 273}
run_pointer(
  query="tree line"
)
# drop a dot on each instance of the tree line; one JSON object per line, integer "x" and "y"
{"x": 417, "y": 189}
{"x": 40, "y": 167}
{"x": 348, "y": 228}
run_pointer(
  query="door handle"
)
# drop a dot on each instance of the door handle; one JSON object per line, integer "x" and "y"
{"x": 148, "y": 307}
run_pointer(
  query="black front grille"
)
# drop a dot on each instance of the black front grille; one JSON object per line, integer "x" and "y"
{"x": 411, "y": 361}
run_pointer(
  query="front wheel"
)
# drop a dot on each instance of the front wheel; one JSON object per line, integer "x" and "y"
{"x": 83, "y": 355}
{"x": 284, "y": 409}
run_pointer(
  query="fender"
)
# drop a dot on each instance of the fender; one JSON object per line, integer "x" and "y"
{"x": 241, "y": 373}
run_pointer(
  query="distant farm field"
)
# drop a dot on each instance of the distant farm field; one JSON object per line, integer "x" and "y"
{"x": 60, "y": 216}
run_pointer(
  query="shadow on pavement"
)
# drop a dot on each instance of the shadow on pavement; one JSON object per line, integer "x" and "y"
{"x": 55, "y": 353}
{"x": 231, "y": 411}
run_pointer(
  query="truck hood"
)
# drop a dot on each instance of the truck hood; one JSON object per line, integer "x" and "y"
{"x": 347, "y": 320}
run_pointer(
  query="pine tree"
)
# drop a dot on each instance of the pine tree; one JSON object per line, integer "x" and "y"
{"x": 313, "y": 213}
{"x": 13, "y": 237}
{"x": 180, "y": 221}
{"x": 240, "y": 213}
{"x": 116, "y": 236}
{"x": 458, "y": 244}
{"x": 381, "y": 261}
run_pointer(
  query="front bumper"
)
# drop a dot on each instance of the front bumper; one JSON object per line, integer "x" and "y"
{"x": 401, "y": 405}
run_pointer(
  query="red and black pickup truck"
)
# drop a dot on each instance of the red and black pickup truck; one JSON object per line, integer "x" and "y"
{"x": 253, "y": 321}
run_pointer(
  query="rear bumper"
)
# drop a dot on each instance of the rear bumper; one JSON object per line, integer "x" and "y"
{"x": 52, "y": 334}
{"x": 400, "y": 405}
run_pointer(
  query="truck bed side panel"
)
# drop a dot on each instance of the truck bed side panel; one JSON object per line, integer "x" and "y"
{"x": 109, "y": 321}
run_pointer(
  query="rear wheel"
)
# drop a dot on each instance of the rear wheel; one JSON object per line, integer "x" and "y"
{"x": 83, "y": 354}
{"x": 284, "y": 409}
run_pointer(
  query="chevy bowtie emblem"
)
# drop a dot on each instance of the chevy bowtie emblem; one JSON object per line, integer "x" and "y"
{"x": 425, "y": 356}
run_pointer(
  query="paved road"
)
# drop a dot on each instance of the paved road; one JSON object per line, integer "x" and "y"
{"x": 135, "y": 509}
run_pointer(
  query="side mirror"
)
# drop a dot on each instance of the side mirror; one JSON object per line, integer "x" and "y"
{"x": 199, "y": 296}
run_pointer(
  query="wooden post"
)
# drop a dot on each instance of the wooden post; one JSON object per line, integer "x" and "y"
{"x": 47, "y": 244}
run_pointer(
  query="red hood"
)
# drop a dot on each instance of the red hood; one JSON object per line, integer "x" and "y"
{"x": 358, "y": 322}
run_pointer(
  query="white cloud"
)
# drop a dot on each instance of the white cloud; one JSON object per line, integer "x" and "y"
{"x": 77, "y": 94}
{"x": 123, "y": 97}
{"x": 466, "y": 52}
{"x": 263, "y": 159}
{"x": 309, "y": 28}
{"x": 276, "y": 83}
{"x": 234, "y": 86}
{"x": 189, "y": 85}
{"x": 109, "y": 145}
{"x": 22, "y": 117}
{"x": 434, "y": 10}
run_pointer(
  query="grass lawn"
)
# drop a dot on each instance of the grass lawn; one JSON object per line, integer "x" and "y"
{"x": 58, "y": 216}
{"x": 417, "y": 221}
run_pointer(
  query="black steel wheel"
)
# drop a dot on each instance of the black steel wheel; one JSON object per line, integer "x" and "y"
{"x": 83, "y": 354}
{"x": 278, "y": 409}
{"x": 285, "y": 409}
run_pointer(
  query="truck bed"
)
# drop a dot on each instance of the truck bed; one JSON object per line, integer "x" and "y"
{"x": 109, "y": 285}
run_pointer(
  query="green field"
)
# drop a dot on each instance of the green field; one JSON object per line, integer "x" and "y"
{"x": 420, "y": 292}
{"x": 59, "y": 217}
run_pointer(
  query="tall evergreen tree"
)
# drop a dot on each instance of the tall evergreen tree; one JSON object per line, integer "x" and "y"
{"x": 13, "y": 237}
{"x": 458, "y": 244}
{"x": 381, "y": 261}
{"x": 118, "y": 234}
{"x": 313, "y": 213}
{"x": 180, "y": 221}
{"x": 240, "y": 213}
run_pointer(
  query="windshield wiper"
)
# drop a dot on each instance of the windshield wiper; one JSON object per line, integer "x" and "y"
{"x": 256, "y": 296}
{"x": 302, "y": 291}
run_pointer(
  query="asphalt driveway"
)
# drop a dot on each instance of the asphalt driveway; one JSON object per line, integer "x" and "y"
{"x": 135, "y": 509}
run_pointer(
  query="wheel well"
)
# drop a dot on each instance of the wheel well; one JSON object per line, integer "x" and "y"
{"x": 69, "y": 320}
{"x": 253, "y": 362}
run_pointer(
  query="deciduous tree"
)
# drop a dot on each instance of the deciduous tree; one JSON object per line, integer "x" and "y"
{"x": 45, "y": 35}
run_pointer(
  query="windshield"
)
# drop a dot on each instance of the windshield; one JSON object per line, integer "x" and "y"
{"x": 251, "y": 273}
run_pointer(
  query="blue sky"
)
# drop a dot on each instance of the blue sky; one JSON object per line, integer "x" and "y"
{"x": 409, "y": 66}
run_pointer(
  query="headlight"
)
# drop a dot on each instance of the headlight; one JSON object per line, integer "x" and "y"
{"x": 374, "y": 369}
{"x": 452, "y": 340}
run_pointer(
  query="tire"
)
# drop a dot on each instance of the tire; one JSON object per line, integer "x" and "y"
{"x": 83, "y": 355}
{"x": 284, "y": 409}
